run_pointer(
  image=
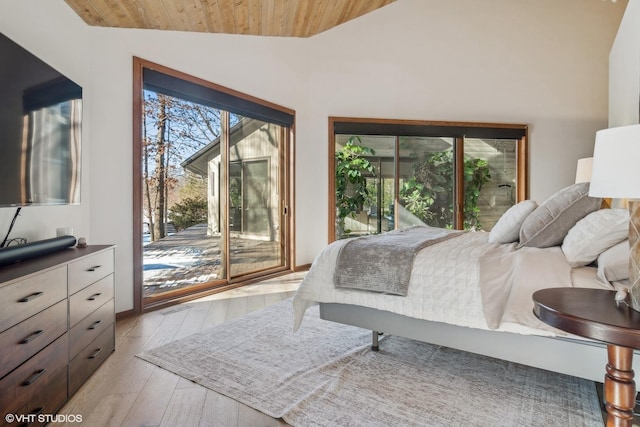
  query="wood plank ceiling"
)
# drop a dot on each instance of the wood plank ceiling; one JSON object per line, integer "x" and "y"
{"x": 285, "y": 18}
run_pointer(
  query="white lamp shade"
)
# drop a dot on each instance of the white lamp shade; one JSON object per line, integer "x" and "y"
{"x": 583, "y": 170}
{"x": 616, "y": 163}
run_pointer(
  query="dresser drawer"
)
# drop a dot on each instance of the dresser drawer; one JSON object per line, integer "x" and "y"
{"x": 45, "y": 400}
{"x": 46, "y": 371}
{"x": 19, "y": 343}
{"x": 89, "y": 299}
{"x": 24, "y": 298}
{"x": 90, "y": 327}
{"x": 90, "y": 358}
{"x": 90, "y": 269}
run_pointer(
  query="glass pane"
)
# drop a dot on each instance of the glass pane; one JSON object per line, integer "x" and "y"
{"x": 365, "y": 173}
{"x": 255, "y": 193}
{"x": 181, "y": 240}
{"x": 490, "y": 181}
{"x": 426, "y": 182}
{"x": 235, "y": 196}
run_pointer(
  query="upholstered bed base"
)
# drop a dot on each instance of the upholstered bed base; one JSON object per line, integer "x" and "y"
{"x": 577, "y": 357}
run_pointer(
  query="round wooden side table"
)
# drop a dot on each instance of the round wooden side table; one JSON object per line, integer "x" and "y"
{"x": 594, "y": 314}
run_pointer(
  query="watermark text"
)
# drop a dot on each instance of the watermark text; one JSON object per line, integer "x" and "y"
{"x": 42, "y": 418}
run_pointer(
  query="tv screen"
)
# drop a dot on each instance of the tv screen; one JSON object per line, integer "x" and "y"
{"x": 40, "y": 123}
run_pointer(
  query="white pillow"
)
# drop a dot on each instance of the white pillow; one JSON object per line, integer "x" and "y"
{"x": 613, "y": 264}
{"x": 594, "y": 234}
{"x": 507, "y": 229}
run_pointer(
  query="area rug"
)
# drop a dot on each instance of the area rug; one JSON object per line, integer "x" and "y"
{"x": 326, "y": 375}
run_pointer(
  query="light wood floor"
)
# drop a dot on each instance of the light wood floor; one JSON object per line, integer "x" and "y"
{"x": 127, "y": 391}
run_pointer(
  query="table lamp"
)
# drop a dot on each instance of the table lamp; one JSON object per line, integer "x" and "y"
{"x": 583, "y": 170}
{"x": 616, "y": 174}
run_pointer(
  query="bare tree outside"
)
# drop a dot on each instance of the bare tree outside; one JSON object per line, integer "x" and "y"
{"x": 173, "y": 129}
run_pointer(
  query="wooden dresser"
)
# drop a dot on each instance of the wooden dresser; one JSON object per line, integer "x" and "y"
{"x": 57, "y": 325}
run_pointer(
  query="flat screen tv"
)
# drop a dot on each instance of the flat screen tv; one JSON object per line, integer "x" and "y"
{"x": 40, "y": 138}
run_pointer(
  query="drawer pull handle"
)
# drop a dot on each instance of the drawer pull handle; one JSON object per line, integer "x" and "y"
{"x": 95, "y": 353}
{"x": 37, "y": 374}
{"x": 31, "y": 297}
{"x": 31, "y": 337}
{"x": 94, "y": 296}
{"x": 94, "y": 268}
{"x": 94, "y": 324}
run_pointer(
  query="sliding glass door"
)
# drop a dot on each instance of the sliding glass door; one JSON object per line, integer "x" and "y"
{"x": 255, "y": 198}
{"x": 213, "y": 171}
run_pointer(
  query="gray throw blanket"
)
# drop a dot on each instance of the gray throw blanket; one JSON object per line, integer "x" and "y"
{"x": 383, "y": 262}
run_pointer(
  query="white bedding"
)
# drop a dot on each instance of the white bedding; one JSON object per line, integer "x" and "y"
{"x": 445, "y": 284}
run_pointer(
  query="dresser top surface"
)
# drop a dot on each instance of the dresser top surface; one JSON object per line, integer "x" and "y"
{"x": 37, "y": 265}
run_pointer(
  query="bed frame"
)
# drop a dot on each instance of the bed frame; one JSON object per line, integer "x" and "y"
{"x": 577, "y": 357}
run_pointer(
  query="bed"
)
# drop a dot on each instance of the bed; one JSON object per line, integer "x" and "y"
{"x": 472, "y": 291}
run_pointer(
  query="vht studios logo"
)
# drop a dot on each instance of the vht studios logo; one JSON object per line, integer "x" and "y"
{"x": 42, "y": 418}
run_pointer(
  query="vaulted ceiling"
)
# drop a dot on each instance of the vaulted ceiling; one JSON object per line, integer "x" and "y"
{"x": 286, "y": 18}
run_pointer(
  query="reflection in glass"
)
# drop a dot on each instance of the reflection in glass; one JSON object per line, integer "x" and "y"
{"x": 52, "y": 154}
{"x": 497, "y": 159}
{"x": 426, "y": 181}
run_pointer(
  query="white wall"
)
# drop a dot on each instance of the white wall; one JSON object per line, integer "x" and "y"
{"x": 542, "y": 63}
{"x": 624, "y": 70}
{"x": 539, "y": 62}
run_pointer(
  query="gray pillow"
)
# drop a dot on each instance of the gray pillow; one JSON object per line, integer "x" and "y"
{"x": 551, "y": 221}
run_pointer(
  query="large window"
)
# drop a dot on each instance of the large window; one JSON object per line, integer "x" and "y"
{"x": 390, "y": 174}
{"x": 211, "y": 173}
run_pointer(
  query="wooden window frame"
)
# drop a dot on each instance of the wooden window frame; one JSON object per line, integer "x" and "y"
{"x": 414, "y": 127}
